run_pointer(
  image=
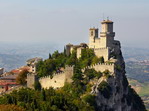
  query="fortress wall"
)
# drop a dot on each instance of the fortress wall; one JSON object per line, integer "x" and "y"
{"x": 102, "y": 67}
{"x": 94, "y": 43}
{"x": 31, "y": 78}
{"x": 102, "y": 52}
{"x": 69, "y": 73}
{"x": 57, "y": 81}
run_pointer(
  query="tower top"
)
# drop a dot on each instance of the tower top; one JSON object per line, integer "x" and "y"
{"x": 93, "y": 28}
{"x": 107, "y": 22}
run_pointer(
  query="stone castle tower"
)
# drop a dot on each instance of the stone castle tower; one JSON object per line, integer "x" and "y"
{"x": 106, "y": 35}
{"x": 102, "y": 44}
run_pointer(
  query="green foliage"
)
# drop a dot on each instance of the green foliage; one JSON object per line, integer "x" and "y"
{"x": 90, "y": 73}
{"x": 64, "y": 50}
{"x": 87, "y": 53}
{"x": 107, "y": 73}
{"x": 77, "y": 73}
{"x": 96, "y": 60}
{"x": 105, "y": 89}
{"x": 37, "y": 85}
{"x": 72, "y": 59}
{"x": 53, "y": 100}
{"x": 43, "y": 95}
{"x": 58, "y": 60}
{"x": 47, "y": 67}
{"x": 90, "y": 99}
{"x": 101, "y": 60}
{"x": 86, "y": 58}
{"x": 55, "y": 54}
{"x": 99, "y": 74}
{"x": 50, "y": 56}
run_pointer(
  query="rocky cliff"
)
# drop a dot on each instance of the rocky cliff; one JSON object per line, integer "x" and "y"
{"x": 113, "y": 93}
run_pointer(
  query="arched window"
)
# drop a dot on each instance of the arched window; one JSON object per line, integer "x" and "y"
{"x": 92, "y": 33}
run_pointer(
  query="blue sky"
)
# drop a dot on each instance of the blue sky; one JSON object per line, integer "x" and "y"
{"x": 64, "y": 21}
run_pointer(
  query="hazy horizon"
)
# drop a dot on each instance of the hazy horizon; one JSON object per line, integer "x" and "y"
{"x": 67, "y": 21}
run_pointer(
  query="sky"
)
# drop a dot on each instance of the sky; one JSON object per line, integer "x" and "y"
{"x": 68, "y": 21}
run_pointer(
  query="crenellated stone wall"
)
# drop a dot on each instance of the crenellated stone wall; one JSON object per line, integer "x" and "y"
{"x": 58, "y": 79}
{"x": 102, "y": 52}
{"x": 102, "y": 67}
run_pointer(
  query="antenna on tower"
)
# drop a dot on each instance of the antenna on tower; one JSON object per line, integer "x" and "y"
{"x": 108, "y": 18}
{"x": 103, "y": 16}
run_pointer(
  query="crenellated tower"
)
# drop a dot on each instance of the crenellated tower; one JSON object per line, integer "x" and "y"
{"x": 103, "y": 44}
{"x": 107, "y": 34}
{"x": 93, "y": 35}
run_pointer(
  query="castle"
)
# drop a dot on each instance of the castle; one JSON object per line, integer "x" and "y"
{"x": 104, "y": 46}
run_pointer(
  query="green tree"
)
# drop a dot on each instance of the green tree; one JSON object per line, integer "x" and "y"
{"x": 55, "y": 54}
{"x": 105, "y": 89}
{"x": 37, "y": 85}
{"x": 101, "y": 60}
{"x": 90, "y": 99}
{"x": 50, "y": 57}
{"x": 72, "y": 59}
{"x": 90, "y": 73}
{"x": 65, "y": 51}
{"x": 43, "y": 95}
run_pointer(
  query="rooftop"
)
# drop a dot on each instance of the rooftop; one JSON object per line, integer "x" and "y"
{"x": 34, "y": 60}
{"x": 8, "y": 77}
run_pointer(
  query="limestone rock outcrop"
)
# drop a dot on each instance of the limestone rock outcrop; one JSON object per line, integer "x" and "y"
{"x": 113, "y": 93}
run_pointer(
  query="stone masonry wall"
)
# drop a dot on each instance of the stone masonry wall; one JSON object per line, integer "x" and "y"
{"x": 58, "y": 79}
{"x": 102, "y": 52}
{"x": 102, "y": 67}
{"x": 31, "y": 78}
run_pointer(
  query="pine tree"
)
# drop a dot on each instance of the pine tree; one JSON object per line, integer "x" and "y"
{"x": 50, "y": 56}
{"x": 43, "y": 95}
{"x": 64, "y": 50}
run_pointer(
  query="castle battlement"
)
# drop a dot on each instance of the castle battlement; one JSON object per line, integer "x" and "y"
{"x": 69, "y": 66}
{"x": 101, "y": 42}
{"x": 58, "y": 79}
{"x": 58, "y": 73}
{"x": 50, "y": 77}
{"x": 102, "y": 48}
{"x": 101, "y": 67}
